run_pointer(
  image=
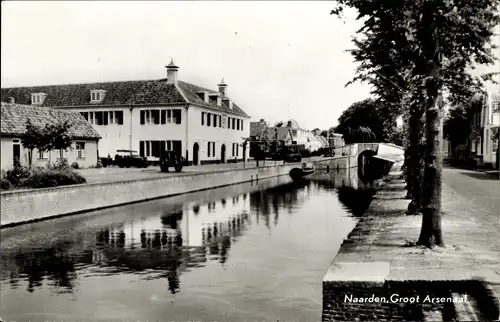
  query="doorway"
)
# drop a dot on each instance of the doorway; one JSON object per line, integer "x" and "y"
{"x": 223, "y": 153}
{"x": 196, "y": 149}
{"x": 16, "y": 154}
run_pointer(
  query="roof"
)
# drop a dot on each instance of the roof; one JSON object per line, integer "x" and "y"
{"x": 118, "y": 93}
{"x": 283, "y": 133}
{"x": 14, "y": 117}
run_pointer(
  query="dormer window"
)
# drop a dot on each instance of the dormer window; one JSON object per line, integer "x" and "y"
{"x": 203, "y": 95}
{"x": 97, "y": 95}
{"x": 37, "y": 98}
{"x": 215, "y": 99}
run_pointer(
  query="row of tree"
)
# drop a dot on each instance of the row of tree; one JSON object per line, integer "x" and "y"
{"x": 46, "y": 138}
{"x": 411, "y": 52}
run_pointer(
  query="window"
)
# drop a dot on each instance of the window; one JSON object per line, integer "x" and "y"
{"x": 163, "y": 116}
{"x": 119, "y": 117}
{"x": 238, "y": 124}
{"x": 233, "y": 120}
{"x": 241, "y": 125}
{"x": 209, "y": 118}
{"x": 209, "y": 145}
{"x": 111, "y": 117}
{"x": 91, "y": 117}
{"x": 85, "y": 115}
{"x": 105, "y": 118}
{"x": 98, "y": 118}
{"x": 215, "y": 120}
{"x": 202, "y": 118}
{"x": 148, "y": 148}
{"x": 80, "y": 150}
{"x": 228, "y": 122}
{"x": 43, "y": 154}
{"x": 176, "y": 116}
{"x": 155, "y": 116}
{"x": 155, "y": 148}
{"x": 37, "y": 98}
{"x": 233, "y": 151}
{"x": 143, "y": 117}
{"x": 147, "y": 113}
{"x": 213, "y": 148}
{"x": 220, "y": 120}
{"x": 96, "y": 96}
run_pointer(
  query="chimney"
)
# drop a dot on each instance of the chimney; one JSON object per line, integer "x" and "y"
{"x": 12, "y": 100}
{"x": 172, "y": 70}
{"x": 222, "y": 88}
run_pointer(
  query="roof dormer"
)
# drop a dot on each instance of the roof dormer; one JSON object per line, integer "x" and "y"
{"x": 204, "y": 96}
{"x": 38, "y": 98}
{"x": 97, "y": 95}
{"x": 215, "y": 98}
{"x": 228, "y": 102}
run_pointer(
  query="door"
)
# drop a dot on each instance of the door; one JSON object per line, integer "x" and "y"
{"x": 16, "y": 154}
{"x": 223, "y": 153}
{"x": 196, "y": 148}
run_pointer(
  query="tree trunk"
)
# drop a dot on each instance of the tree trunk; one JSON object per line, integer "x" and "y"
{"x": 415, "y": 158}
{"x": 430, "y": 233}
{"x": 30, "y": 158}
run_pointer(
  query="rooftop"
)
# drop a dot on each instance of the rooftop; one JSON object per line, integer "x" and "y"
{"x": 14, "y": 117}
{"x": 119, "y": 93}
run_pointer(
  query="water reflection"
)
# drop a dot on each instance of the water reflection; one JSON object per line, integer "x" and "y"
{"x": 167, "y": 243}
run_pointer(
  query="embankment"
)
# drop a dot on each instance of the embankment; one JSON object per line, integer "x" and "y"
{"x": 24, "y": 206}
{"x": 380, "y": 275}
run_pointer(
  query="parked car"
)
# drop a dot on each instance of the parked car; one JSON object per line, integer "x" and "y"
{"x": 130, "y": 158}
{"x": 171, "y": 159}
{"x": 106, "y": 161}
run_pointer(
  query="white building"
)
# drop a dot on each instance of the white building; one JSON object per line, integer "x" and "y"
{"x": 491, "y": 124}
{"x": 204, "y": 125}
{"x": 14, "y": 117}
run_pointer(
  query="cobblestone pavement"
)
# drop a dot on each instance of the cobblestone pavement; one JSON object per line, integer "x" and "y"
{"x": 112, "y": 174}
{"x": 471, "y": 232}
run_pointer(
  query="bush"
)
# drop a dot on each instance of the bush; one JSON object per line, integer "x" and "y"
{"x": 46, "y": 178}
{"x": 17, "y": 174}
{"x": 61, "y": 164}
{"x": 6, "y": 185}
{"x": 99, "y": 164}
{"x": 75, "y": 165}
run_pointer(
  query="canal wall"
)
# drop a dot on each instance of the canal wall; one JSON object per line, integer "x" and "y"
{"x": 24, "y": 206}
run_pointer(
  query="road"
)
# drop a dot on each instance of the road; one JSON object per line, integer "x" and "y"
{"x": 479, "y": 188}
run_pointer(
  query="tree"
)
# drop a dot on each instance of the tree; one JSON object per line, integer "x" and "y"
{"x": 434, "y": 43}
{"x": 31, "y": 139}
{"x": 367, "y": 121}
{"x": 57, "y": 137}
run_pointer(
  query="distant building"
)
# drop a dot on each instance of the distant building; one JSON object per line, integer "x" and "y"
{"x": 13, "y": 126}
{"x": 491, "y": 126}
{"x": 203, "y": 125}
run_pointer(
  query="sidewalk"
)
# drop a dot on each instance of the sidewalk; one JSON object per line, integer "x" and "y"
{"x": 471, "y": 235}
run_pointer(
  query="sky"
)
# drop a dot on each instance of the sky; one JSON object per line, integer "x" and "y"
{"x": 281, "y": 60}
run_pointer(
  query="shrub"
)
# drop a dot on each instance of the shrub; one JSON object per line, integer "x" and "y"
{"x": 99, "y": 164}
{"x": 61, "y": 164}
{"x": 75, "y": 165}
{"x": 17, "y": 174}
{"x": 6, "y": 185}
{"x": 46, "y": 178}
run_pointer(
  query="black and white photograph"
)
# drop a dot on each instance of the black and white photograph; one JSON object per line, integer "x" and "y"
{"x": 250, "y": 161}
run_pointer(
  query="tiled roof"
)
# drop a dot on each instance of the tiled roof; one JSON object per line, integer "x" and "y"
{"x": 117, "y": 93}
{"x": 191, "y": 90}
{"x": 14, "y": 117}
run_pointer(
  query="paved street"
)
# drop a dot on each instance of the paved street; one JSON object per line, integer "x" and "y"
{"x": 479, "y": 188}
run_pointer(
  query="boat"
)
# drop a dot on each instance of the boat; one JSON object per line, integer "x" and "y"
{"x": 300, "y": 173}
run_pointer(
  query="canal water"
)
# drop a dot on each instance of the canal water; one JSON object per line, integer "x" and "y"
{"x": 255, "y": 251}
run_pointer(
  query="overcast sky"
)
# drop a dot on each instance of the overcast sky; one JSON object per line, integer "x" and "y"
{"x": 280, "y": 60}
